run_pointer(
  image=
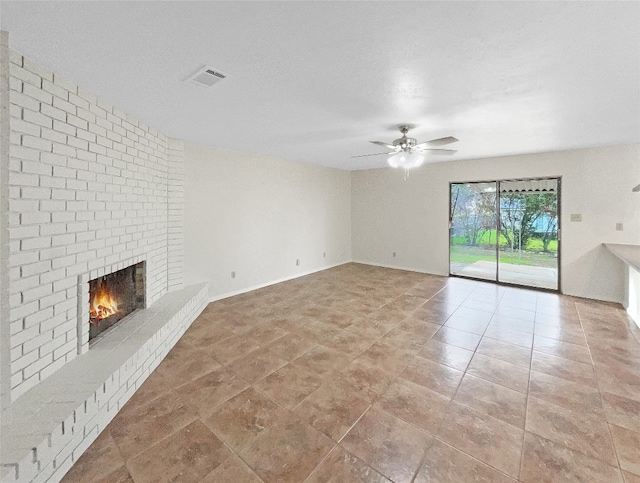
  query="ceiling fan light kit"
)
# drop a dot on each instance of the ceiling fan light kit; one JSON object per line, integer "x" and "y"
{"x": 407, "y": 153}
{"x": 406, "y": 160}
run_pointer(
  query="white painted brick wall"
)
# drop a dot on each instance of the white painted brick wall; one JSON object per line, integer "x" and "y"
{"x": 175, "y": 256}
{"x": 89, "y": 187}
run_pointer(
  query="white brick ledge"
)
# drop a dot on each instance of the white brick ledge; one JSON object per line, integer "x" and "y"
{"x": 47, "y": 429}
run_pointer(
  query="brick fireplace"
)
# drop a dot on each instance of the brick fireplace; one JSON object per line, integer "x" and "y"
{"x": 88, "y": 192}
{"x": 91, "y": 191}
{"x": 114, "y": 296}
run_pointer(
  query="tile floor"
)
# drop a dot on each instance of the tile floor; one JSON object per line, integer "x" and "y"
{"x": 365, "y": 374}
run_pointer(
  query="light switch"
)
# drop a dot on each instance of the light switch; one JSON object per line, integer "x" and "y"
{"x": 576, "y": 217}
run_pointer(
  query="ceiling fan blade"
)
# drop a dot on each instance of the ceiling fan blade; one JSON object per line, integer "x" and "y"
{"x": 386, "y": 145}
{"x": 438, "y": 142}
{"x": 374, "y": 154}
{"x": 441, "y": 151}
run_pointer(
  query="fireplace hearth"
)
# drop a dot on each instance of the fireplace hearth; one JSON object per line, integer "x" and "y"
{"x": 114, "y": 296}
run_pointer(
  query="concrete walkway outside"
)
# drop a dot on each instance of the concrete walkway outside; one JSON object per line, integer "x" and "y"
{"x": 541, "y": 277}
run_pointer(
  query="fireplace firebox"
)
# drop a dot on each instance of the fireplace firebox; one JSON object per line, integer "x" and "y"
{"x": 114, "y": 296}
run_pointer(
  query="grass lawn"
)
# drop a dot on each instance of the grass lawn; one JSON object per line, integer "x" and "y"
{"x": 489, "y": 238}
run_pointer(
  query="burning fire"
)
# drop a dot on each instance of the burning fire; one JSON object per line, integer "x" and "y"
{"x": 102, "y": 305}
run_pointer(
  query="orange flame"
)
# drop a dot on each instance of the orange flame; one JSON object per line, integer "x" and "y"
{"x": 102, "y": 305}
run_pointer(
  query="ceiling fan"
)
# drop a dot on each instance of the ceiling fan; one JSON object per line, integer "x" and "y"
{"x": 407, "y": 153}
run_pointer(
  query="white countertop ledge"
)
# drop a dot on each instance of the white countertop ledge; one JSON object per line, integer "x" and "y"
{"x": 629, "y": 254}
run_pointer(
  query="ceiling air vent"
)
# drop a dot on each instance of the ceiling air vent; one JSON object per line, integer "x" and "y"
{"x": 206, "y": 76}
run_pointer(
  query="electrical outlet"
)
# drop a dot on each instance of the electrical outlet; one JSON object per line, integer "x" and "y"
{"x": 233, "y": 274}
{"x": 394, "y": 254}
{"x": 619, "y": 227}
{"x": 297, "y": 261}
{"x": 576, "y": 217}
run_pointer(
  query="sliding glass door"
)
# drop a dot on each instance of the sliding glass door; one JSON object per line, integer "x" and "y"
{"x": 474, "y": 213}
{"x": 506, "y": 231}
{"x": 528, "y": 254}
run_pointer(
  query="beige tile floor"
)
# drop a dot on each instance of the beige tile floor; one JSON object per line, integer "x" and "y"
{"x": 365, "y": 374}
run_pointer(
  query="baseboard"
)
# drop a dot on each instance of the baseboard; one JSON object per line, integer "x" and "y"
{"x": 398, "y": 267}
{"x": 273, "y": 282}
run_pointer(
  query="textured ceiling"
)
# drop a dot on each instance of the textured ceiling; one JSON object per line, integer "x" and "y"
{"x": 315, "y": 81}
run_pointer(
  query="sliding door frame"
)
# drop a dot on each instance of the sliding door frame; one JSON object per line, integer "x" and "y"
{"x": 498, "y": 230}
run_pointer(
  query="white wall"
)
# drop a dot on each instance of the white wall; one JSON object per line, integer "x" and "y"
{"x": 632, "y": 296}
{"x": 411, "y": 217}
{"x": 256, "y": 215}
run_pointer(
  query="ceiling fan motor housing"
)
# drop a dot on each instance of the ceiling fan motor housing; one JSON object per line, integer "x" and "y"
{"x": 405, "y": 143}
